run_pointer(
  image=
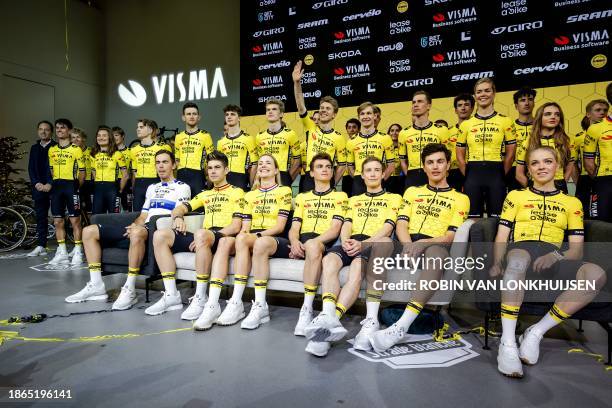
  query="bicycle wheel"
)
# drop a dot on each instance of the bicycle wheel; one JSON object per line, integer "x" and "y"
{"x": 13, "y": 229}
{"x": 29, "y": 215}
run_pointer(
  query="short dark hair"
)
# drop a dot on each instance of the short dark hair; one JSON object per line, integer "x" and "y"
{"x": 441, "y": 122}
{"x": 64, "y": 121}
{"x": 332, "y": 101}
{"x": 371, "y": 159}
{"x": 232, "y": 108}
{"x": 117, "y": 129}
{"x": 524, "y": 91}
{"x": 190, "y": 105}
{"x": 320, "y": 156}
{"x": 46, "y": 122}
{"x": 104, "y": 127}
{"x": 464, "y": 97}
{"x": 168, "y": 152}
{"x": 354, "y": 122}
{"x": 435, "y": 148}
{"x": 219, "y": 156}
{"x": 424, "y": 93}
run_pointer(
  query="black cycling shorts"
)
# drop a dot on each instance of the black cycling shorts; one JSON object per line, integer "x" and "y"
{"x": 64, "y": 195}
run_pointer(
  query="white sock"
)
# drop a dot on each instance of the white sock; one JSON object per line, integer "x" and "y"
{"x": 62, "y": 247}
{"x": 214, "y": 293}
{"x": 329, "y": 308}
{"x": 96, "y": 278}
{"x": 408, "y": 317}
{"x": 308, "y": 300}
{"x": 170, "y": 286}
{"x": 508, "y": 331}
{"x": 238, "y": 291}
{"x": 131, "y": 282}
{"x": 260, "y": 296}
{"x": 549, "y": 320}
{"x": 372, "y": 310}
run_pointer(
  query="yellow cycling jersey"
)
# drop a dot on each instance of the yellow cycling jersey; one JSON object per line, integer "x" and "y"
{"x": 88, "y": 163}
{"x": 283, "y": 145}
{"x": 323, "y": 141}
{"x": 484, "y": 136}
{"x": 433, "y": 211}
{"x": 191, "y": 149}
{"x": 264, "y": 205}
{"x": 377, "y": 144}
{"x": 369, "y": 212}
{"x": 128, "y": 160}
{"x": 412, "y": 140}
{"x": 221, "y": 205}
{"x": 105, "y": 167}
{"x": 66, "y": 162}
{"x": 451, "y": 144}
{"x": 303, "y": 158}
{"x": 143, "y": 159}
{"x": 240, "y": 150}
{"x": 548, "y": 141}
{"x": 316, "y": 210}
{"x": 522, "y": 131}
{"x": 536, "y": 215}
{"x": 397, "y": 171}
{"x": 598, "y": 141}
{"x": 579, "y": 152}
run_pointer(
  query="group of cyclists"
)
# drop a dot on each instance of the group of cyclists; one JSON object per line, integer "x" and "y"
{"x": 412, "y": 187}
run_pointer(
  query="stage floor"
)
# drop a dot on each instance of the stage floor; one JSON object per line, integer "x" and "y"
{"x": 230, "y": 367}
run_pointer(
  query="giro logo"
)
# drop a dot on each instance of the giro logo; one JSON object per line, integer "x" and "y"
{"x": 343, "y": 54}
{"x": 555, "y": 66}
{"x": 412, "y": 83}
{"x": 266, "y": 33}
{"x": 311, "y": 24}
{"x": 587, "y": 17}
{"x": 518, "y": 27}
{"x": 398, "y": 46}
{"x": 329, "y": 3}
{"x": 135, "y": 96}
{"x": 367, "y": 14}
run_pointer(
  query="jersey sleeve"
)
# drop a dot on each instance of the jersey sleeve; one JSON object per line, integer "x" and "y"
{"x": 309, "y": 125}
{"x": 80, "y": 158}
{"x": 284, "y": 202}
{"x": 120, "y": 160}
{"x": 350, "y": 152}
{"x": 395, "y": 202}
{"x": 340, "y": 150}
{"x": 252, "y": 149}
{"x": 509, "y": 210}
{"x": 184, "y": 194}
{"x": 509, "y": 132}
{"x": 575, "y": 217}
{"x": 591, "y": 140}
{"x": 298, "y": 211}
{"x": 406, "y": 205}
{"x": 462, "y": 135}
{"x": 573, "y": 152}
{"x": 443, "y": 134}
{"x": 389, "y": 150}
{"x": 247, "y": 213}
{"x": 294, "y": 142}
{"x": 132, "y": 153}
{"x": 50, "y": 158}
{"x": 341, "y": 207}
{"x": 196, "y": 202}
{"x": 350, "y": 213}
{"x": 401, "y": 145}
{"x": 460, "y": 210}
{"x": 178, "y": 143}
{"x": 238, "y": 203}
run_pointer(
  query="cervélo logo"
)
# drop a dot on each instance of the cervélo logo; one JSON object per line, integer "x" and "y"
{"x": 454, "y": 17}
{"x": 368, "y": 14}
{"x": 555, "y": 66}
{"x": 514, "y": 28}
{"x": 274, "y": 65}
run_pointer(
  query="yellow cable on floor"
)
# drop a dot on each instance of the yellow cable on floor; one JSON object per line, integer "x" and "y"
{"x": 598, "y": 357}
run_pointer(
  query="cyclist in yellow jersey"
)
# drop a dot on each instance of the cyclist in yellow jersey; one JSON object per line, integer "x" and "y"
{"x": 484, "y": 166}
{"x": 369, "y": 219}
{"x": 596, "y": 111}
{"x": 240, "y": 148}
{"x": 78, "y": 137}
{"x": 143, "y": 161}
{"x": 598, "y": 139}
{"x": 191, "y": 147}
{"x": 537, "y": 219}
{"x": 352, "y": 129}
{"x": 126, "y": 196}
{"x": 68, "y": 172}
{"x": 426, "y": 226}
{"x": 524, "y": 102}
{"x": 548, "y": 130}
{"x": 223, "y": 206}
{"x": 280, "y": 142}
{"x": 368, "y": 142}
{"x": 413, "y": 139}
{"x": 464, "y": 106}
{"x": 395, "y": 183}
{"x": 107, "y": 161}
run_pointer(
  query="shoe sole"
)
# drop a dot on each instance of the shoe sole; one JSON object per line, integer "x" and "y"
{"x": 376, "y": 347}
{"x": 262, "y": 321}
{"x": 97, "y": 297}
{"x": 300, "y": 333}
{"x": 513, "y": 375}
{"x": 189, "y": 319}
{"x": 523, "y": 359}
{"x": 129, "y": 306}
{"x": 320, "y": 355}
{"x": 362, "y": 347}
{"x": 242, "y": 316}
{"x": 200, "y": 328}
{"x": 169, "y": 309}
{"x": 322, "y": 334}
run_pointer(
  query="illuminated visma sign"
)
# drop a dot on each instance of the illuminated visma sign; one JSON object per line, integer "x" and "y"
{"x": 165, "y": 87}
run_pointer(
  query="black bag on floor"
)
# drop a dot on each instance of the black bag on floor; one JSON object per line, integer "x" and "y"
{"x": 423, "y": 324}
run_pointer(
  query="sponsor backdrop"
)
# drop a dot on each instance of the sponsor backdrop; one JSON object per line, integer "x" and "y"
{"x": 383, "y": 51}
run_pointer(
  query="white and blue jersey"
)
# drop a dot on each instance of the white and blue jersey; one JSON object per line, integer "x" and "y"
{"x": 161, "y": 198}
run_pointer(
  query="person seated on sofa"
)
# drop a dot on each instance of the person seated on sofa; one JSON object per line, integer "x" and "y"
{"x": 161, "y": 198}
{"x": 265, "y": 214}
{"x": 535, "y": 221}
{"x": 223, "y": 206}
{"x": 426, "y": 224}
{"x": 370, "y": 217}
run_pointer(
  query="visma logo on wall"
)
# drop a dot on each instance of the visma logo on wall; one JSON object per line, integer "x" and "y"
{"x": 165, "y": 85}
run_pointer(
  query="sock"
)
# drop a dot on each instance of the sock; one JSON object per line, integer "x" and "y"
{"x": 95, "y": 273}
{"x": 410, "y": 314}
{"x": 240, "y": 282}
{"x": 309, "y": 294}
{"x": 215, "y": 290}
{"x": 131, "y": 278}
{"x": 170, "y": 282}
{"x": 260, "y": 290}
{"x": 61, "y": 245}
{"x": 78, "y": 245}
{"x": 373, "y": 298}
{"x": 340, "y": 310}
{"x": 202, "y": 285}
{"x": 554, "y": 316}
{"x": 329, "y": 303}
{"x": 509, "y": 315}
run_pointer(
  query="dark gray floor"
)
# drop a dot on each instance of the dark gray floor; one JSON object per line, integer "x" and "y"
{"x": 230, "y": 367}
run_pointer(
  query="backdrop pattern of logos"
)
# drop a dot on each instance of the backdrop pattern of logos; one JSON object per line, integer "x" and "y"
{"x": 383, "y": 51}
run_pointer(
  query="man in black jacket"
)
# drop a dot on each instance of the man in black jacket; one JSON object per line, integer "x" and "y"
{"x": 40, "y": 178}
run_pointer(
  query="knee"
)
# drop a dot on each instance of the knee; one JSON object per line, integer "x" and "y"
{"x": 225, "y": 244}
{"x": 140, "y": 235}
{"x": 203, "y": 238}
{"x": 436, "y": 252}
{"x": 162, "y": 237}
{"x": 262, "y": 246}
{"x": 58, "y": 221}
{"x": 329, "y": 265}
{"x": 517, "y": 262}
{"x": 593, "y": 273}
{"x": 313, "y": 248}
{"x": 91, "y": 232}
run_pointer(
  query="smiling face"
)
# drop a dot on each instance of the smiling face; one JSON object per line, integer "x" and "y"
{"x": 76, "y": 139}
{"x": 62, "y": 131}
{"x": 394, "y": 131}
{"x": 542, "y": 165}
{"x": 103, "y": 138}
{"x": 366, "y": 117}
{"x": 484, "y": 94}
{"x": 372, "y": 174}
{"x": 266, "y": 167}
{"x": 436, "y": 167}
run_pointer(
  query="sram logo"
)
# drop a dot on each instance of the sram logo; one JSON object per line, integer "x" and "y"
{"x": 343, "y": 54}
{"x": 596, "y": 15}
{"x": 473, "y": 75}
{"x": 534, "y": 25}
{"x": 412, "y": 83}
{"x": 311, "y": 24}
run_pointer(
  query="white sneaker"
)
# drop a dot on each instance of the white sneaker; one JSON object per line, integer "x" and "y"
{"x": 209, "y": 316}
{"x": 89, "y": 292}
{"x": 369, "y": 325}
{"x": 383, "y": 340}
{"x": 195, "y": 308}
{"x": 258, "y": 315}
{"x": 38, "y": 251}
{"x": 325, "y": 328}
{"x": 318, "y": 348}
{"x": 61, "y": 257}
{"x": 303, "y": 321}
{"x": 78, "y": 257}
{"x": 529, "y": 352}
{"x": 508, "y": 362}
{"x": 126, "y": 299}
{"x": 232, "y": 314}
{"x": 167, "y": 303}
{"x": 71, "y": 253}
